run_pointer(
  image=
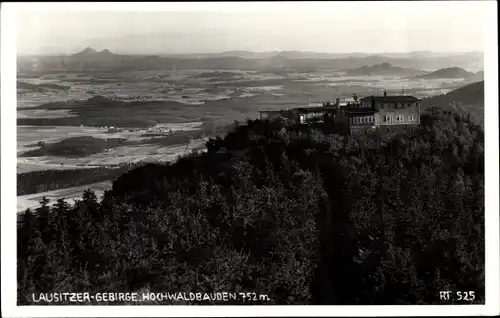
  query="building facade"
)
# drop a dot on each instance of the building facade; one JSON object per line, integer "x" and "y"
{"x": 393, "y": 110}
{"x": 368, "y": 113}
{"x": 388, "y": 111}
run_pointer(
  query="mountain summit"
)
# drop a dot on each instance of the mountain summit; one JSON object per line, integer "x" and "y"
{"x": 449, "y": 72}
{"x": 87, "y": 51}
{"x": 105, "y": 51}
{"x": 383, "y": 69}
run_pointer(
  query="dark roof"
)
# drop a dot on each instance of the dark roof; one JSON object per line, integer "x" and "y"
{"x": 394, "y": 99}
{"x": 360, "y": 111}
{"x": 314, "y": 109}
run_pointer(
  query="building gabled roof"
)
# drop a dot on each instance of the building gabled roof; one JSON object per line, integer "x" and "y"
{"x": 306, "y": 110}
{"x": 393, "y": 99}
{"x": 272, "y": 111}
{"x": 360, "y": 111}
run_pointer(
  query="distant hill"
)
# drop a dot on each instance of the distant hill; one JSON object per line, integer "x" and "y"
{"x": 270, "y": 54}
{"x": 469, "y": 94}
{"x": 246, "y": 54}
{"x": 246, "y": 60}
{"x": 478, "y": 76}
{"x": 92, "y": 55}
{"x": 383, "y": 69}
{"x": 468, "y": 98}
{"x": 88, "y": 58}
{"x": 42, "y": 87}
{"x": 449, "y": 72}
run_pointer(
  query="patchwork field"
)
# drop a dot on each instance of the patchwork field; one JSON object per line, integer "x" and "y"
{"x": 140, "y": 105}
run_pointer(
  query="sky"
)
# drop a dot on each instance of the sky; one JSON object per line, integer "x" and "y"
{"x": 439, "y": 26}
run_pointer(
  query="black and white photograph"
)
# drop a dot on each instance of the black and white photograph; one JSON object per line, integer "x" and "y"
{"x": 245, "y": 155}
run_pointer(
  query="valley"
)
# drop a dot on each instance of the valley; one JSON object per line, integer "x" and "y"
{"x": 160, "y": 114}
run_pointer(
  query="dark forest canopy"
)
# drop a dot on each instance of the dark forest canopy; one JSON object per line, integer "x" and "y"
{"x": 299, "y": 214}
{"x": 48, "y": 180}
{"x": 81, "y": 146}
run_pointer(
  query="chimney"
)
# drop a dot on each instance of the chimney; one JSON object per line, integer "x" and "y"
{"x": 385, "y": 93}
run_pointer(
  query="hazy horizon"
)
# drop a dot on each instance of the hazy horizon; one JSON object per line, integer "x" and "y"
{"x": 257, "y": 52}
{"x": 342, "y": 27}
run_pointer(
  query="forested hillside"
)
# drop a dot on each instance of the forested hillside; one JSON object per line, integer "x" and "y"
{"x": 301, "y": 215}
{"x": 468, "y": 99}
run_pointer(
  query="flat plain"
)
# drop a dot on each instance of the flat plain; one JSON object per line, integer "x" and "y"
{"x": 159, "y": 115}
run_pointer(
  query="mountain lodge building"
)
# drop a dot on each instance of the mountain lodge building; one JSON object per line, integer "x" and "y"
{"x": 365, "y": 113}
